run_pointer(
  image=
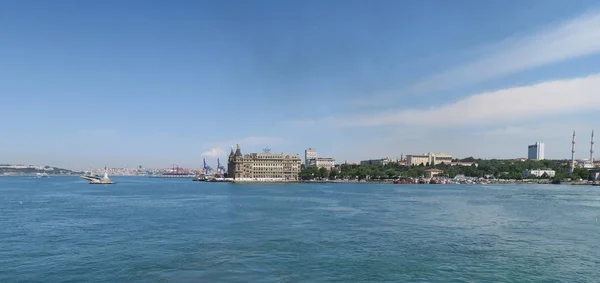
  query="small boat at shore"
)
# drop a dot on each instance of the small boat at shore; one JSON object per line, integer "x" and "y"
{"x": 200, "y": 179}
{"x": 219, "y": 180}
{"x": 42, "y": 175}
{"x": 405, "y": 180}
{"x": 212, "y": 179}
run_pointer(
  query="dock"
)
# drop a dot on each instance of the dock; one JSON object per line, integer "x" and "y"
{"x": 173, "y": 176}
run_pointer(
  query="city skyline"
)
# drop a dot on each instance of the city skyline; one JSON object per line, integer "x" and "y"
{"x": 314, "y": 155}
{"x": 128, "y": 83}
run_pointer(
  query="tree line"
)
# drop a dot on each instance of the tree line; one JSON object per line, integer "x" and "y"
{"x": 481, "y": 168}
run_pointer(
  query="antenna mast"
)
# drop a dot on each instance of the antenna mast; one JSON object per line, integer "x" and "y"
{"x": 592, "y": 149}
{"x": 572, "y": 167}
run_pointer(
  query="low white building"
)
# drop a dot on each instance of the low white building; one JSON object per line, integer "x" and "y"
{"x": 584, "y": 164}
{"x": 380, "y": 162}
{"x": 322, "y": 162}
{"x": 539, "y": 173}
{"x": 430, "y": 173}
{"x": 431, "y": 158}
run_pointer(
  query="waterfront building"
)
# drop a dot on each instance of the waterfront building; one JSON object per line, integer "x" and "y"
{"x": 265, "y": 166}
{"x": 322, "y": 162}
{"x": 536, "y": 151}
{"x": 309, "y": 154}
{"x": 417, "y": 159}
{"x": 539, "y": 173}
{"x": 430, "y": 173}
{"x": 311, "y": 159}
{"x": 431, "y": 158}
{"x": 380, "y": 162}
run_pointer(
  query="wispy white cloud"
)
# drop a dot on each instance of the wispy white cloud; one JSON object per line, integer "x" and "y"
{"x": 556, "y": 135}
{"x": 218, "y": 149}
{"x": 509, "y": 141}
{"x": 512, "y": 104}
{"x": 570, "y": 39}
{"x": 534, "y": 131}
{"x": 214, "y": 152}
{"x": 577, "y": 37}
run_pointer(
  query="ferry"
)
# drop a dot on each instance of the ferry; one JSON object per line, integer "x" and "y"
{"x": 175, "y": 172}
{"x": 211, "y": 178}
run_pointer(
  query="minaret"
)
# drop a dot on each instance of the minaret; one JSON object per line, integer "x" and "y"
{"x": 592, "y": 149}
{"x": 572, "y": 167}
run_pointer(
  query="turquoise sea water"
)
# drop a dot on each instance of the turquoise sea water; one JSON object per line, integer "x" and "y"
{"x": 158, "y": 230}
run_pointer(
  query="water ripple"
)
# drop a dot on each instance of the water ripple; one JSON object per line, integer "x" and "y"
{"x": 152, "y": 230}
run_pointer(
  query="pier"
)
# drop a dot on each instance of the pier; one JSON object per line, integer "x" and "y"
{"x": 173, "y": 176}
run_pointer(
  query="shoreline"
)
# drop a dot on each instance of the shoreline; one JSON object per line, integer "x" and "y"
{"x": 541, "y": 182}
{"x": 387, "y": 181}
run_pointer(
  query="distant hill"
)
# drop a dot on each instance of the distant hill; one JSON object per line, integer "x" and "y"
{"x": 8, "y": 169}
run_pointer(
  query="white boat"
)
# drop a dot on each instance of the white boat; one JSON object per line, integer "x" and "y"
{"x": 97, "y": 179}
{"x": 42, "y": 175}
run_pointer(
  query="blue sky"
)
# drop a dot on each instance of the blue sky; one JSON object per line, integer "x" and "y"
{"x": 156, "y": 83}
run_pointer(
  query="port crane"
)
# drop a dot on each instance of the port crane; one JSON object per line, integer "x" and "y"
{"x": 220, "y": 168}
{"x": 206, "y": 169}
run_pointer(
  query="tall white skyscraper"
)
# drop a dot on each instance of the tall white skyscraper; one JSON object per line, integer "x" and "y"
{"x": 536, "y": 151}
{"x": 309, "y": 154}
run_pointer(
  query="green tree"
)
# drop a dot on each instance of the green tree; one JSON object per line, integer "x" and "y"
{"x": 507, "y": 169}
{"x": 361, "y": 173}
{"x": 558, "y": 177}
{"x": 323, "y": 173}
{"x": 309, "y": 173}
{"x": 580, "y": 173}
{"x": 333, "y": 174}
{"x": 391, "y": 173}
